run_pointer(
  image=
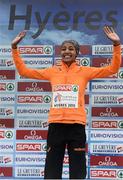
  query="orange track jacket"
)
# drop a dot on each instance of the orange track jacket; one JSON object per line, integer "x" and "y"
{"x": 68, "y": 85}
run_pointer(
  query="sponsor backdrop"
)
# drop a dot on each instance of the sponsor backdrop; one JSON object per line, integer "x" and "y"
{"x": 25, "y": 103}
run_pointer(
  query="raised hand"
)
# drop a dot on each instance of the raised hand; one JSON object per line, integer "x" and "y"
{"x": 112, "y": 35}
{"x": 17, "y": 39}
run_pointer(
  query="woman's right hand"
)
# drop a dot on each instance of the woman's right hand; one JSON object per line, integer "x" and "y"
{"x": 17, "y": 39}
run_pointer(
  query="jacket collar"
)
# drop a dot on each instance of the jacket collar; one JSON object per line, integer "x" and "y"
{"x": 73, "y": 67}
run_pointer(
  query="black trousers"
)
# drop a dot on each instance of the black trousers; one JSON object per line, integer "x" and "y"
{"x": 59, "y": 136}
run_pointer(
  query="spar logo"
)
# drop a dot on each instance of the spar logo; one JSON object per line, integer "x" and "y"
{"x": 6, "y": 134}
{"x": 36, "y": 147}
{"x": 30, "y": 99}
{"x": 85, "y": 61}
{"x": 120, "y": 74}
{"x": 75, "y": 88}
{"x": 10, "y": 86}
{"x": 48, "y": 50}
{"x": 34, "y": 99}
{"x": 62, "y": 87}
{"x": 31, "y": 50}
{"x": 120, "y": 174}
{"x": 105, "y": 124}
{"x": 47, "y": 99}
{"x": 103, "y": 173}
{"x": 7, "y": 86}
{"x": 120, "y": 124}
{"x": 36, "y": 50}
{"x": 44, "y": 147}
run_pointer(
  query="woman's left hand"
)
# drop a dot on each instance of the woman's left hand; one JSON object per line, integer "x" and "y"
{"x": 112, "y": 35}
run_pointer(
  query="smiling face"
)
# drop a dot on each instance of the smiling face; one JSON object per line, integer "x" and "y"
{"x": 68, "y": 53}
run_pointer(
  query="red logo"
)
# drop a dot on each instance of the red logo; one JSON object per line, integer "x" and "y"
{"x": 34, "y": 86}
{"x": 5, "y": 171}
{"x": 107, "y": 111}
{"x": 6, "y": 123}
{"x": 106, "y": 160}
{"x": 85, "y": 49}
{"x": 101, "y": 62}
{"x": 31, "y": 134}
{"x": 7, "y": 74}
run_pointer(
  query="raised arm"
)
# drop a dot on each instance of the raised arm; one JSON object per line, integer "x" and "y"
{"x": 113, "y": 68}
{"x": 23, "y": 70}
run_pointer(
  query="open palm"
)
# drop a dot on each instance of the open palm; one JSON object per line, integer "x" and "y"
{"x": 111, "y": 34}
{"x": 18, "y": 38}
